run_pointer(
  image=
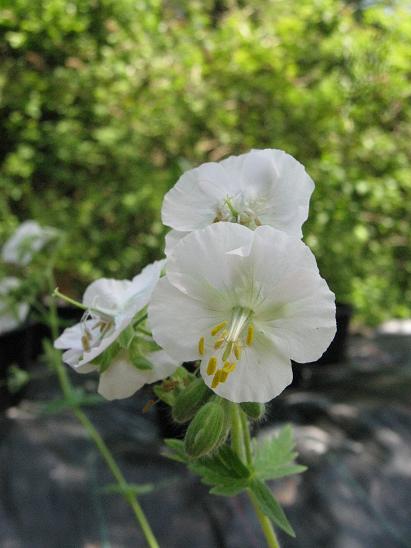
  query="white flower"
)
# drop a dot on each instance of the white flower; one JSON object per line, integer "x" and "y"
{"x": 122, "y": 379}
{"x": 112, "y": 305}
{"x": 244, "y": 303}
{"x": 27, "y": 240}
{"x": 262, "y": 187}
{"x": 12, "y": 313}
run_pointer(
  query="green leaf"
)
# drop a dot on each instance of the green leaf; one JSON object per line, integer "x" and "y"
{"x": 274, "y": 457}
{"x": 177, "y": 452}
{"x": 270, "y": 507}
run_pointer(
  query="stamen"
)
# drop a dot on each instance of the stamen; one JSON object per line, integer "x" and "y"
{"x": 212, "y": 365}
{"x": 219, "y": 343}
{"x": 250, "y": 335}
{"x": 227, "y": 351}
{"x": 223, "y": 375}
{"x": 229, "y": 367}
{"x": 216, "y": 380}
{"x": 216, "y": 329}
{"x": 85, "y": 342}
{"x": 237, "y": 350}
{"x": 201, "y": 346}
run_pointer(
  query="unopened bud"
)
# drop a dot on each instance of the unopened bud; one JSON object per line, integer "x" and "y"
{"x": 189, "y": 401}
{"x": 207, "y": 431}
{"x": 254, "y": 411}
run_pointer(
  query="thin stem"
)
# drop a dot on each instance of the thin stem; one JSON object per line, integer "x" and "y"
{"x": 266, "y": 525}
{"x": 236, "y": 431}
{"x": 105, "y": 452}
{"x": 77, "y": 304}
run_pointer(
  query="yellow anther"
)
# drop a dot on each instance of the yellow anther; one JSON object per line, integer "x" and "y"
{"x": 218, "y": 344}
{"x": 216, "y": 329}
{"x": 250, "y": 335}
{"x": 216, "y": 380}
{"x": 201, "y": 346}
{"x": 237, "y": 350}
{"x": 223, "y": 375}
{"x": 229, "y": 367}
{"x": 85, "y": 343}
{"x": 212, "y": 365}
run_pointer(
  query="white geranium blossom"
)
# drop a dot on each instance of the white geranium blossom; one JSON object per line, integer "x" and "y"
{"x": 28, "y": 239}
{"x": 111, "y": 307}
{"x": 12, "y": 313}
{"x": 261, "y": 187}
{"x": 244, "y": 303}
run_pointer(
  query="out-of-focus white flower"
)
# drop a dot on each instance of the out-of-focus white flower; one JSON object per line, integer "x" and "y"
{"x": 261, "y": 187}
{"x": 27, "y": 240}
{"x": 244, "y": 303}
{"x": 111, "y": 307}
{"x": 122, "y": 379}
{"x": 12, "y": 312}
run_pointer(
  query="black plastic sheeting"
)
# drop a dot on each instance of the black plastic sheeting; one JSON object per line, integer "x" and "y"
{"x": 353, "y": 427}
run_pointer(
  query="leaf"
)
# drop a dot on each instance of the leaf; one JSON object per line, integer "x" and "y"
{"x": 269, "y": 506}
{"x": 274, "y": 457}
{"x": 177, "y": 452}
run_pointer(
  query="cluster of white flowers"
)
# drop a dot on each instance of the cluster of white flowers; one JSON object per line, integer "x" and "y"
{"x": 242, "y": 293}
{"x": 18, "y": 252}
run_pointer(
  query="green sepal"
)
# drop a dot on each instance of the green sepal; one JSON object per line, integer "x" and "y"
{"x": 274, "y": 457}
{"x": 207, "y": 431}
{"x": 141, "y": 363}
{"x": 254, "y": 411}
{"x": 126, "y": 337}
{"x": 105, "y": 359}
{"x": 270, "y": 506}
{"x": 168, "y": 390}
{"x": 190, "y": 400}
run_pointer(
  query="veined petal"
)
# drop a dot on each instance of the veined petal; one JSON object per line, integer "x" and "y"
{"x": 177, "y": 321}
{"x": 261, "y": 374}
{"x": 202, "y": 264}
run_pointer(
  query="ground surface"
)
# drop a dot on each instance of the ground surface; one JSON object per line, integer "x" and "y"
{"x": 353, "y": 427}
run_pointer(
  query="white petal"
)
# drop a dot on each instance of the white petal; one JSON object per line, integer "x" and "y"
{"x": 106, "y": 294}
{"x": 262, "y": 374}
{"x": 192, "y": 203}
{"x": 122, "y": 379}
{"x": 202, "y": 266}
{"x": 287, "y": 205}
{"x": 172, "y": 239}
{"x": 177, "y": 322}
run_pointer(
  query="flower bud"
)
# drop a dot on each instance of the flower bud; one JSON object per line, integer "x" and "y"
{"x": 207, "y": 431}
{"x": 254, "y": 411}
{"x": 189, "y": 401}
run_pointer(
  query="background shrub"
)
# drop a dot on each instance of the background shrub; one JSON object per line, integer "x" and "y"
{"x": 104, "y": 102}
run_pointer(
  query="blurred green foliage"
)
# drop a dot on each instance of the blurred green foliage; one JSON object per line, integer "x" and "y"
{"x": 103, "y": 103}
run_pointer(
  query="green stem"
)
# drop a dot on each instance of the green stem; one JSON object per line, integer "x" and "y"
{"x": 241, "y": 444}
{"x": 265, "y": 523}
{"x": 67, "y": 389}
{"x": 236, "y": 431}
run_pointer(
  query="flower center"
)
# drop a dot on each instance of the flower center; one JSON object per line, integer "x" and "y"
{"x": 93, "y": 335}
{"x": 228, "y": 339}
{"x": 237, "y": 210}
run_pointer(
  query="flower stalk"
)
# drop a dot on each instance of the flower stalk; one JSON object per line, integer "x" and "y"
{"x": 241, "y": 444}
